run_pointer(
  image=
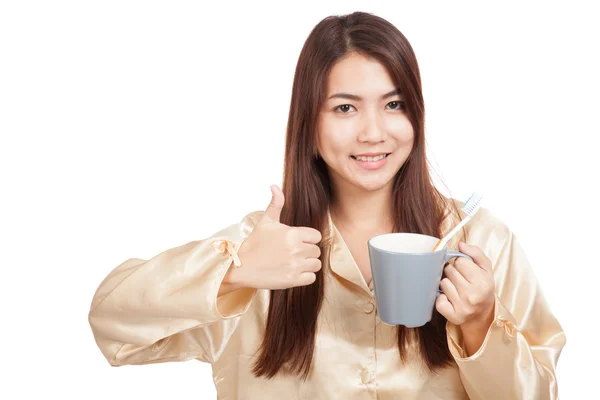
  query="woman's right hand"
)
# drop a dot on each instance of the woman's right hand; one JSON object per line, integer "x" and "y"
{"x": 275, "y": 255}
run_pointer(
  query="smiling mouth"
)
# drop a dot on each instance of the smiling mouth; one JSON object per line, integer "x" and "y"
{"x": 365, "y": 158}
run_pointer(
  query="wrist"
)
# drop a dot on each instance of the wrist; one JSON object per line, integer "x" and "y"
{"x": 480, "y": 323}
{"x": 232, "y": 278}
{"x": 230, "y": 283}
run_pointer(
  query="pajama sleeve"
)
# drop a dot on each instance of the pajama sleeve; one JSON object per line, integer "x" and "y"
{"x": 166, "y": 308}
{"x": 518, "y": 357}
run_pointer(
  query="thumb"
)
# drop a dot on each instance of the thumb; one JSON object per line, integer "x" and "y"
{"x": 273, "y": 211}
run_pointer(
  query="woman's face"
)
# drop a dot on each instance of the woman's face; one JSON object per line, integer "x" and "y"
{"x": 363, "y": 115}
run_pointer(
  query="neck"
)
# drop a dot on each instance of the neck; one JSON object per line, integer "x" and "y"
{"x": 356, "y": 210}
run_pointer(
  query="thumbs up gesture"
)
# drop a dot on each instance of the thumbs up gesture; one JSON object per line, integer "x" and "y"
{"x": 278, "y": 256}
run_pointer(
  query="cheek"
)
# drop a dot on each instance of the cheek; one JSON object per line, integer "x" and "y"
{"x": 403, "y": 131}
{"x": 338, "y": 144}
{"x": 407, "y": 140}
{"x": 334, "y": 137}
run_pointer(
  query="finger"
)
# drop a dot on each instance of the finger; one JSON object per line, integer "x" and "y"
{"x": 308, "y": 235}
{"x": 450, "y": 291}
{"x": 478, "y": 256}
{"x": 444, "y": 307}
{"x": 306, "y": 278}
{"x": 311, "y": 265}
{"x": 273, "y": 211}
{"x": 310, "y": 250}
{"x": 468, "y": 269}
{"x": 455, "y": 277}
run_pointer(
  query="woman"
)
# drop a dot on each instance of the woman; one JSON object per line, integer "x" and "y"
{"x": 282, "y": 303}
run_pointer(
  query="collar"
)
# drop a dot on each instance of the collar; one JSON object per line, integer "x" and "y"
{"x": 341, "y": 261}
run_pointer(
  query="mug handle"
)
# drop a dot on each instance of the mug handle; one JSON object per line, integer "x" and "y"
{"x": 451, "y": 254}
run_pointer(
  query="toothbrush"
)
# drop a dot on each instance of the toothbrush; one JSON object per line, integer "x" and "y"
{"x": 470, "y": 208}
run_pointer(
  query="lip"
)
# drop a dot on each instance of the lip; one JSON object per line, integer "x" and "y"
{"x": 371, "y": 165}
{"x": 369, "y": 154}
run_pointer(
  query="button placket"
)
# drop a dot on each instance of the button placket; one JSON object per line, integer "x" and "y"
{"x": 367, "y": 373}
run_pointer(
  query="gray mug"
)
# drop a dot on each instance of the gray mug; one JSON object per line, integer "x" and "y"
{"x": 406, "y": 276}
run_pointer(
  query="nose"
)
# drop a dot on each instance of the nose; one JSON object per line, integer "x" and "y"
{"x": 372, "y": 128}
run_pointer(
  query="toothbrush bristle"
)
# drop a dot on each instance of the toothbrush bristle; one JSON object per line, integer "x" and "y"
{"x": 472, "y": 204}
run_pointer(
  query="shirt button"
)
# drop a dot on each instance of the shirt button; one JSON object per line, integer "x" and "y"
{"x": 365, "y": 377}
{"x": 369, "y": 307}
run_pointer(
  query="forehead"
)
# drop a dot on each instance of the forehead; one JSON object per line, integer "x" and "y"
{"x": 359, "y": 75}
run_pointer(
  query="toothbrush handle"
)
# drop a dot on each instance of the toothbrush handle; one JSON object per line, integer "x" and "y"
{"x": 457, "y": 227}
{"x": 453, "y": 231}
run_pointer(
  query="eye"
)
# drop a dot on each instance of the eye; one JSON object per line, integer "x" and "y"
{"x": 395, "y": 105}
{"x": 399, "y": 105}
{"x": 345, "y": 106}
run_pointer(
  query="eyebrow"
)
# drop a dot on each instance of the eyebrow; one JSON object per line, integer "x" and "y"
{"x": 354, "y": 97}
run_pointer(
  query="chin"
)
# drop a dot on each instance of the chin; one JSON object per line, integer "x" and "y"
{"x": 374, "y": 185}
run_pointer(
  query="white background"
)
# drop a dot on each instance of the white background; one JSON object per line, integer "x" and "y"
{"x": 132, "y": 127}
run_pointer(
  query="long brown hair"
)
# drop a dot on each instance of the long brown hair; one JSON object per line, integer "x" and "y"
{"x": 418, "y": 206}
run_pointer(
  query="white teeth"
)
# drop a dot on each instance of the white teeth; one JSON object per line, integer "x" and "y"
{"x": 370, "y": 159}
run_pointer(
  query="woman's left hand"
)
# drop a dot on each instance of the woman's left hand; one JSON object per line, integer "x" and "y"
{"x": 469, "y": 290}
